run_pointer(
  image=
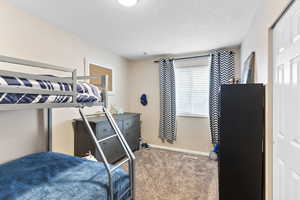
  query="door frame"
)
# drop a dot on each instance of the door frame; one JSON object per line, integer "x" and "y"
{"x": 270, "y": 143}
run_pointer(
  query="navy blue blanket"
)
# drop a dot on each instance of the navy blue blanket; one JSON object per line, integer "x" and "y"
{"x": 58, "y": 176}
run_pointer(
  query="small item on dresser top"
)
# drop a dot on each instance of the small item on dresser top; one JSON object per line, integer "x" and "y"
{"x": 116, "y": 110}
{"x": 234, "y": 81}
{"x": 144, "y": 100}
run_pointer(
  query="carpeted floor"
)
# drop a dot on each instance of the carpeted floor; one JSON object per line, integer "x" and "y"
{"x": 168, "y": 175}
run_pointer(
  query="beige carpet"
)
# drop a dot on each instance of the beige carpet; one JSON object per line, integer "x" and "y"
{"x": 167, "y": 175}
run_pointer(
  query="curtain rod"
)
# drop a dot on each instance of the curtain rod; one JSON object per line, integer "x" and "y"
{"x": 186, "y": 58}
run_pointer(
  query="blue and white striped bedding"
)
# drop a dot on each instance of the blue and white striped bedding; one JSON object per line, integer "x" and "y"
{"x": 87, "y": 93}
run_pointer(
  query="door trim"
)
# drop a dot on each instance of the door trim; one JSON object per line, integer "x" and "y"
{"x": 290, "y": 4}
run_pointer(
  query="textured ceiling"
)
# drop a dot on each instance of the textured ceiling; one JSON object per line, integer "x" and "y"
{"x": 157, "y": 27}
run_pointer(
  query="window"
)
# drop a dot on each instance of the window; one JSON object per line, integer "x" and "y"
{"x": 192, "y": 87}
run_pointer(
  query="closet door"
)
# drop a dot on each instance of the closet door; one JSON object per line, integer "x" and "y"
{"x": 286, "y": 106}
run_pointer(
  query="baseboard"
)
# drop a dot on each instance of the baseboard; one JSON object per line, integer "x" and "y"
{"x": 179, "y": 150}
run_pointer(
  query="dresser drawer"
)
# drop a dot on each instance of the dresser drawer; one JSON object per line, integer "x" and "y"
{"x": 112, "y": 149}
{"x": 131, "y": 122}
{"x": 132, "y": 136}
{"x": 104, "y": 129}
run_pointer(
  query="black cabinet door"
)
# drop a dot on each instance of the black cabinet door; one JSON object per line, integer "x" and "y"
{"x": 241, "y": 142}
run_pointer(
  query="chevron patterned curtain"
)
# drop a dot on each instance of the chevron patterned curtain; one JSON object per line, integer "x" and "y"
{"x": 221, "y": 71}
{"x": 167, "y": 129}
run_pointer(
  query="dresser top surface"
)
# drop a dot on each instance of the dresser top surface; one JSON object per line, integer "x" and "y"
{"x": 99, "y": 118}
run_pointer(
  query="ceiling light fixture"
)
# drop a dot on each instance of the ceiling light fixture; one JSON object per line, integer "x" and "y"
{"x": 128, "y": 3}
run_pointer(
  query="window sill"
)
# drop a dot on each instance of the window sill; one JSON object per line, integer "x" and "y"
{"x": 192, "y": 115}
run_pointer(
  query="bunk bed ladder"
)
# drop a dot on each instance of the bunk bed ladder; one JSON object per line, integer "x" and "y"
{"x": 129, "y": 154}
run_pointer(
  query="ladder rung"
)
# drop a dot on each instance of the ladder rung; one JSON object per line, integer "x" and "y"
{"x": 124, "y": 193}
{"x": 110, "y": 169}
{"x": 109, "y": 137}
{"x": 119, "y": 165}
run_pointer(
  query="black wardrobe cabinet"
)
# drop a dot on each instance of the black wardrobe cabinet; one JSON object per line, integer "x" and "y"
{"x": 241, "y": 156}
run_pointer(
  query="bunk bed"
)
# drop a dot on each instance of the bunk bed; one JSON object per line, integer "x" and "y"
{"x": 50, "y": 175}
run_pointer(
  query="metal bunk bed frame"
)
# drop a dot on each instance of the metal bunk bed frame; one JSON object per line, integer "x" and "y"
{"x": 71, "y": 80}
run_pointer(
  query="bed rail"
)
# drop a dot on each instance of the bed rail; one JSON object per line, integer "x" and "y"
{"x": 30, "y": 63}
{"x": 70, "y": 80}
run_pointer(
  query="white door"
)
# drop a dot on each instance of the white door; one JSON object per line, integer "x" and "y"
{"x": 286, "y": 106}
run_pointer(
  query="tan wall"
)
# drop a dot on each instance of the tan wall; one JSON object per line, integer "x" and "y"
{"x": 258, "y": 39}
{"x": 24, "y": 36}
{"x": 193, "y": 133}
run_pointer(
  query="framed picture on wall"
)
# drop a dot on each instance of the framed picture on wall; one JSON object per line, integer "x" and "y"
{"x": 93, "y": 68}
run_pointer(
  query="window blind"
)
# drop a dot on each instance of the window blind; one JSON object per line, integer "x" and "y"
{"x": 192, "y": 89}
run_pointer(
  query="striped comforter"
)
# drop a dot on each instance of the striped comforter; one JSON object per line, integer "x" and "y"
{"x": 87, "y": 93}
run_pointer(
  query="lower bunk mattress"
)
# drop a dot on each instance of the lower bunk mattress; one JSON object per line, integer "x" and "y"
{"x": 57, "y": 176}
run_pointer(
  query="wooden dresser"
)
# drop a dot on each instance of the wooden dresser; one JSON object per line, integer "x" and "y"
{"x": 129, "y": 124}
